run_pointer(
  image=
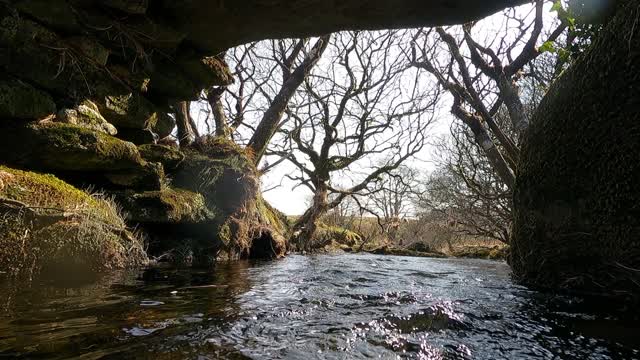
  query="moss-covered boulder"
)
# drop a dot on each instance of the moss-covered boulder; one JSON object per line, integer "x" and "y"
{"x": 48, "y": 225}
{"x": 206, "y": 71}
{"x": 137, "y": 136}
{"x": 90, "y": 48}
{"x": 19, "y": 100}
{"x": 166, "y": 206}
{"x": 66, "y": 147}
{"x": 134, "y": 111}
{"x": 576, "y": 198}
{"x": 325, "y": 234}
{"x": 87, "y": 115}
{"x": 168, "y": 81}
{"x": 58, "y": 14}
{"x": 128, "y": 6}
{"x": 149, "y": 176}
{"x": 169, "y": 157}
{"x": 226, "y": 177}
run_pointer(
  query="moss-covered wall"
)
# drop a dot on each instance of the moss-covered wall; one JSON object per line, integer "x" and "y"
{"x": 577, "y": 199}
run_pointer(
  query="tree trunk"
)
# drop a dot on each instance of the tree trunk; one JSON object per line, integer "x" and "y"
{"x": 271, "y": 118}
{"x": 214, "y": 98}
{"x": 183, "y": 123}
{"x": 483, "y": 139}
{"x": 512, "y": 101}
{"x": 576, "y": 198}
{"x": 307, "y": 224}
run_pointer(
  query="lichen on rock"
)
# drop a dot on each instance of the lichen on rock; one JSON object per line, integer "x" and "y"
{"x": 87, "y": 115}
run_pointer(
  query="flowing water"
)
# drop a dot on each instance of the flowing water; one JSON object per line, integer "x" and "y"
{"x": 305, "y": 307}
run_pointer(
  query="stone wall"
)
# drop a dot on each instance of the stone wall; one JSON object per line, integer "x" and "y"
{"x": 86, "y": 89}
{"x": 577, "y": 201}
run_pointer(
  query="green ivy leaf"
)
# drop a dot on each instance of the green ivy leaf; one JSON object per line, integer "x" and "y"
{"x": 548, "y": 46}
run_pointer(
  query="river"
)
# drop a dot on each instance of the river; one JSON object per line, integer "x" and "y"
{"x": 306, "y": 307}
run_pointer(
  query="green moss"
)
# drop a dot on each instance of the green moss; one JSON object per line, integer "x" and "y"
{"x": 326, "y": 234}
{"x": 272, "y": 217}
{"x": 43, "y": 190}
{"x": 150, "y": 176}
{"x": 170, "y": 158}
{"x": 225, "y": 234}
{"x": 9, "y": 25}
{"x": 59, "y": 146}
{"x": 23, "y": 101}
{"x": 166, "y": 206}
{"x": 390, "y": 250}
{"x": 46, "y": 223}
{"x": 482, "y": 252}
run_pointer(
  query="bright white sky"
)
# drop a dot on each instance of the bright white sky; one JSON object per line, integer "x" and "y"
{"x": 293, "y": 200}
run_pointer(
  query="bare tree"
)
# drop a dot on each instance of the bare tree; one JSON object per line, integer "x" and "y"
{"x": 267, "y": 74}
{"x": 393, "y": 197}
{"x": 465, "y": 190}
{"x": 361, "y": 103}
{"x": 482, "y": 77}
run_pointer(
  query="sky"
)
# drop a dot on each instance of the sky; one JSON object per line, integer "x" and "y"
{"x": 286, "y": 196}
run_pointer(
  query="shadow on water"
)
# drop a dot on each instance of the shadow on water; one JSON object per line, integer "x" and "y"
{"x": 335, "y": 307}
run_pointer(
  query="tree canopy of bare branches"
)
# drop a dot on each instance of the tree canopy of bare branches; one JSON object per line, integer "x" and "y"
{"x": 361, "y": 111}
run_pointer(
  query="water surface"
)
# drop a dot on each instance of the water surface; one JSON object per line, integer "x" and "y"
{"x": 305, "y": 307}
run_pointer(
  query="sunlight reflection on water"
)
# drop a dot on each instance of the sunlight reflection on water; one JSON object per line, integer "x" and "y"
{"x": 333, "y": 307}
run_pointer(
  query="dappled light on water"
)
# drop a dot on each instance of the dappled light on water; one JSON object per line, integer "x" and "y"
{"x": 325, "y": 307}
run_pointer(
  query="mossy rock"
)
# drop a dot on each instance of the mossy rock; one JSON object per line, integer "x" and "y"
{"x": 138, "y": 7}
{"x": 482, "y": 252}
{"x": 90, "y": 48}
{"x": 168, "y": 81}
{"x": 227, "y": 183}
{"x": 66, "y": 147}
{"x": 221, "y": 171}
{"x": 206, "y": 71}
{"x": 169, "y": 157}
{"x": 138, "y": 136}
{"x": 48, "y": 225}
{"x": 86, "y": 115}
{"x": 576, "y": 197}
{"x": 44, "y": 58}
{"x": 20, "y": 100}
{"x": 9, "y": 25}
{"x": 150, "y": 176}
{"x": 325, "y": 234}
{"x": 272, "y": 217}
{"x": 57, "y": 14}
{"x": 392, "y": 250}
{"x": 157, "y": 35}
{"x": 166, "y": 206}
{"x": 132, "y": 110}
